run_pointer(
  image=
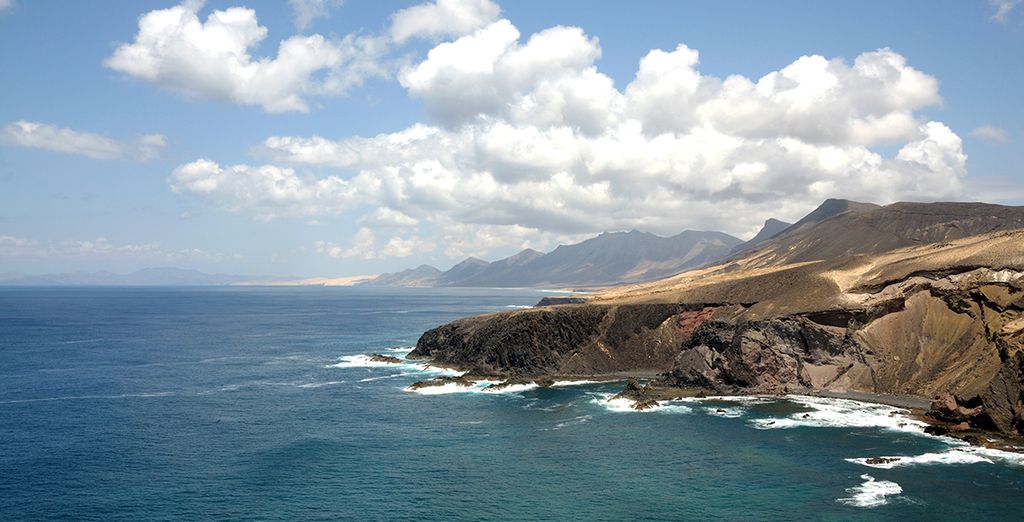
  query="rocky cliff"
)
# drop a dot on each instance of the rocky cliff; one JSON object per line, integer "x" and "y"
{"x": 936, "y": 319}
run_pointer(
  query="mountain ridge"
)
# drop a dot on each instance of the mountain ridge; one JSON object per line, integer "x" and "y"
{"x": 609, "y": 258}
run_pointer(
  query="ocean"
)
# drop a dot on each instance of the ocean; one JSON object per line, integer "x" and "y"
{"x": 259, "y": 403}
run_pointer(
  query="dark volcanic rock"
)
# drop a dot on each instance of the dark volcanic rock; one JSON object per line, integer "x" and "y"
{"x": 1004, "y": 399}
{"x": 881, "y": 460}
{"x": 552, "y": 301}
{"x": 385, "y": 359}
{"x": 461, "y": 380}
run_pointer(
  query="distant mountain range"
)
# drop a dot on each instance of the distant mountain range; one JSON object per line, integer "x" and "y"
{"x": 612, "y": 257}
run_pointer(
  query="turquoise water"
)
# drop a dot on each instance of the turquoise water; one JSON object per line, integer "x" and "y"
{"x": 121, "y": 403}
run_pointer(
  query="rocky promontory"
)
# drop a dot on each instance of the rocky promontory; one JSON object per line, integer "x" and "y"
{"x": 941, "y": 319}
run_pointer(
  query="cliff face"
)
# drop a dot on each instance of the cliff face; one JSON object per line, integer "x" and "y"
{"x": 934, "y": 319}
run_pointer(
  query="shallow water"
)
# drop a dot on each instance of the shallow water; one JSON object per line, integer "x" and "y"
{"x": 123, "y": 403}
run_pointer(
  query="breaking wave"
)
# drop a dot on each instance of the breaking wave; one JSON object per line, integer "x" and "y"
{"x": 872, "y": 493}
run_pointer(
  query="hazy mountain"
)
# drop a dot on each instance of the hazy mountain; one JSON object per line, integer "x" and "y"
{"x": 613, "y": 257}
{"x": 423, "y": 275}
{"x": 772, "y": 227}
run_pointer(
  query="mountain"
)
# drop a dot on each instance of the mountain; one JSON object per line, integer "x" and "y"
{"x": 904, "y": 302}
{"x": 612, "y": 257}
{"x": 772, "y": 227}
{"x": 841, "y": 228}
{"x": 423, "y": 275}
{"x": 162, "y": 276}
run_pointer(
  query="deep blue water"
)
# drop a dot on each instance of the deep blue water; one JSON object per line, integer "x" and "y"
{"x": 212, "y": 403}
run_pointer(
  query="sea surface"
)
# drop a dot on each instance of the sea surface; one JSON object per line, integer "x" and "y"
{"x": 259, "y": 403}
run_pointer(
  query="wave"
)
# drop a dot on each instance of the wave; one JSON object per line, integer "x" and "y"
{"x": 365, "y": 361}
{"x": 621, "y": 405}
{"x": 512, "y": 388}
{"x": 872, "y": 493}
{"x": 727, "y": 412}
{"x": 571, "y": 422}
{"x": 559, "y": 384}
{"x": 321, "y": 384}
{"x": 842, "y": 413}
{"x": 451, "y": 387}
{"x": 957, "y": 455}
{"x": 519, "y": 307}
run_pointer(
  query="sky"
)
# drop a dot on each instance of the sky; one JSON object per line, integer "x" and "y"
{"x": 343, "y": 137}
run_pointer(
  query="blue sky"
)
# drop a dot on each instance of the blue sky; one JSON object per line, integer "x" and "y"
{"x": 381, "y": 135}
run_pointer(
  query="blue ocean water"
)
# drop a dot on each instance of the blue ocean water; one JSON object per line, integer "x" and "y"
{"x": 254, "y": 403}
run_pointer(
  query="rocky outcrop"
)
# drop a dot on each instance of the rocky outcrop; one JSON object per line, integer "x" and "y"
{"x": 384, "y": 359}
{"x": 943, "y": 320}
{"x": 558, "y": 340}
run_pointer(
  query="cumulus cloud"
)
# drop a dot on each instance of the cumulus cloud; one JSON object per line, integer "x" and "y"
{"x": 442, "y": 18}
{"x": 305, "y": 11}
{"x": 266, "y": 191}
{"x": 528, "y": 142}
{"x": 175, "y": 49}
{"x": 364, "y": 246}
{"x": 992, "y": 134}
{"x": 50, "y": 137}
{"x": 1003, "y": 8}
{"x": 385, "y": 217}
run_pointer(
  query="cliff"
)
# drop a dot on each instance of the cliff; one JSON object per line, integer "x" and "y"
{"x": 944, "y": 317}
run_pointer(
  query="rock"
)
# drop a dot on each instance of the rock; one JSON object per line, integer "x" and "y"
{"x": 881, "y": 460}
{"x": 974, "y": 439}
{"x": 385, "y": 359}
{"x": 645, "y": 404}
{"x": 936, "y": 430}
{"x": 461, "y": 380}
{"x": 946, "y": 408}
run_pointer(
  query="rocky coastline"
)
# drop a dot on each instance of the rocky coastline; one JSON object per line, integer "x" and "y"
{"x": 936, "y": 328}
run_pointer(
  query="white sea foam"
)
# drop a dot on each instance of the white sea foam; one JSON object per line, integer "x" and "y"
{"x": 573, "y": 383}
{"x": 872, "y": 493}
{"x": 957, "y": 455}
{"x": 727, "y": 412}
{"x": 385, "y": 377}
{"x": 320, "y": 384}
{"x": 92, "y": 397}
{"x": 512, "y": 388}
{"x": 574, "y": 421}
{"x": 365, "y": 361}
{"x": 518, "y": 306}
{"x": 361, "y": 361}
{"x": 623, "y": 405}
{"x": 452, "y": 387}
{"x": 843, "y": 413}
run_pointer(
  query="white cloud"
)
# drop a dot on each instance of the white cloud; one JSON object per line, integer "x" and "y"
{"x": 6, "y": 4}
{"x": 175, "y": 49}
{"x": 17, "y": 247}
{"x": 990, "y": 133}
{"x": 530, "y": 143}
{"x": 266, "y": 191}
{"x": 305, "y": 11}
{"x": 46, "y": 136}
{"x": 1003, "y": 9}
{"x": 385, "y": 217}
{"x": 442, "y": 18}
{"x": 364, "y": 246}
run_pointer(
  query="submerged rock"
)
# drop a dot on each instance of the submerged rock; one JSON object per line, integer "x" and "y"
{"x": 376, "y": 357}
{"x": 461, "y": 380}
